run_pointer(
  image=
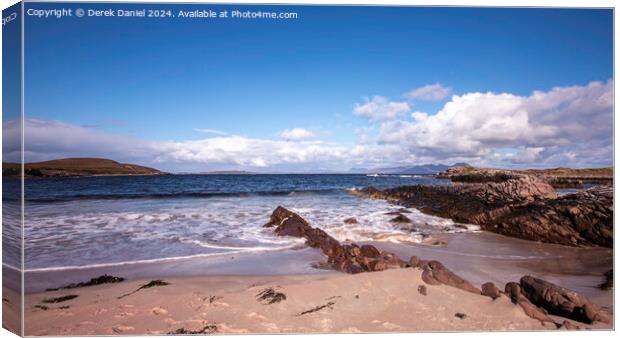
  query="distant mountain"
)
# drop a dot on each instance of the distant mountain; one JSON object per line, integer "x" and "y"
{"x": 77, "y": 167}
{"x": 359, "y": 170}
{"x": 425, "y": 169}
{"x": 229, "y": 172}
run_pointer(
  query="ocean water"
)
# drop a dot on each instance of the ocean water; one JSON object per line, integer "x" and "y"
{"x": 106, "y": 221}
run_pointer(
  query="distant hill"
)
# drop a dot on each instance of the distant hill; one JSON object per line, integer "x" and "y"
{"x": 77, "y": 167}
{"x": 425, "y": 169}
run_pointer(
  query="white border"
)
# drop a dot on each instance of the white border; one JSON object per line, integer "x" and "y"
{"x": 469, "y": 3}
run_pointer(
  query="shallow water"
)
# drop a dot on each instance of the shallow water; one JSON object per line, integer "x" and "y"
{"x": 102, "y": 221}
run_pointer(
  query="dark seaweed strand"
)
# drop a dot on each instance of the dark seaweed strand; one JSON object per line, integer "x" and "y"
{"x": 103, "y": 279}
{"x": 59, "y": 299}
{"x": 153, "y": 283}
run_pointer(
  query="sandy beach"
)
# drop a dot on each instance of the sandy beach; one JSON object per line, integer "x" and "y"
{"x": 220, "y": 293}
{"x": 214, "y": 296}
{"x": 387, "y": 301}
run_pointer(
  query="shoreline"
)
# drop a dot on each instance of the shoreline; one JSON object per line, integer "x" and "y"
{"x": 477, "y": 256}
{"x": 386, "y": 301}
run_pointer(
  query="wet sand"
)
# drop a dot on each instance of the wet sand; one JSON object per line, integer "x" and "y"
{"x": 478, "y": 257}
{"x": 486, "y": 257}
{"x": 386, "y": 301}
{"x": 390, "y": 301}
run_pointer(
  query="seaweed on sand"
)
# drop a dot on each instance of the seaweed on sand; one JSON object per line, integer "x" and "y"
{"x": 329, "y": 305}
{"x": 207, "y": 329}
{"x": 153, "y": 283}
{"x": 103, "y": 279}
{"x": 270, "y": 296}
{"x": 59, "y": 299}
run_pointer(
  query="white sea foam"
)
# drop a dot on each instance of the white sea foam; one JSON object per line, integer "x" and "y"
{"x": 92, "y": 233}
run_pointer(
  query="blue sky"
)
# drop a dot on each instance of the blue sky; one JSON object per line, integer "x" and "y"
{"x": 160, "y": 81}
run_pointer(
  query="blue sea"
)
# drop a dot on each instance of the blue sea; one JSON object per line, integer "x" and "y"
{"x": 105, "y": 221}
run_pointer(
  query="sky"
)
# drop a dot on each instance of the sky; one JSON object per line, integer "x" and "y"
{"x": 337, "y": 88}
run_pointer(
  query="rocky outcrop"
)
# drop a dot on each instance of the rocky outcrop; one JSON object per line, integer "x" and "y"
{"x": 513, "y": 291}
{"x": 350, "y": 258}
{"x": 466, "y": 202}
{"x": 523, "y": 207}
{"x": 560, "y": 178}
{"x": 539, "y": 298}
{"x": 562, "y": 302}
{"x": 436, "y": 273}
{"x": 581, "y": 219}
{"x": 475, "y": 175}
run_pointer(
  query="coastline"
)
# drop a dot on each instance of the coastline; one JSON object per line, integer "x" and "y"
{"x": 386, "y": 301}
{"x": 478, "y": 257}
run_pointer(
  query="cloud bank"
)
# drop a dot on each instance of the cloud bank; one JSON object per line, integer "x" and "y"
{"x": 543, "y": 128}
{"x": 565, "y": 126}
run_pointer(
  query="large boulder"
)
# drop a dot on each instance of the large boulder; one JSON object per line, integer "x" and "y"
{"x": 436, "y": 273}
{"x": 513, "y": 291}
{"x": 288, "y": 223}
{"x": 561, "y": 301}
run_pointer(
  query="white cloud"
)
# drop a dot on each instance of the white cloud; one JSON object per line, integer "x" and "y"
{"x": 431, "y": 92}
{"x": 380, "y": 108}
{"x": 211, "y": 131}
{"x": 47, "y": 139}
{"x": 250, "y": 152}
{"x": 564, "y": 120}
{"x": 296, "y": 134}
{"x": 565, "y": 126}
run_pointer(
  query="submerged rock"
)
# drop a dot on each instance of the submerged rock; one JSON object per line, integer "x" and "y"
{"x": 401, "y": 219}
